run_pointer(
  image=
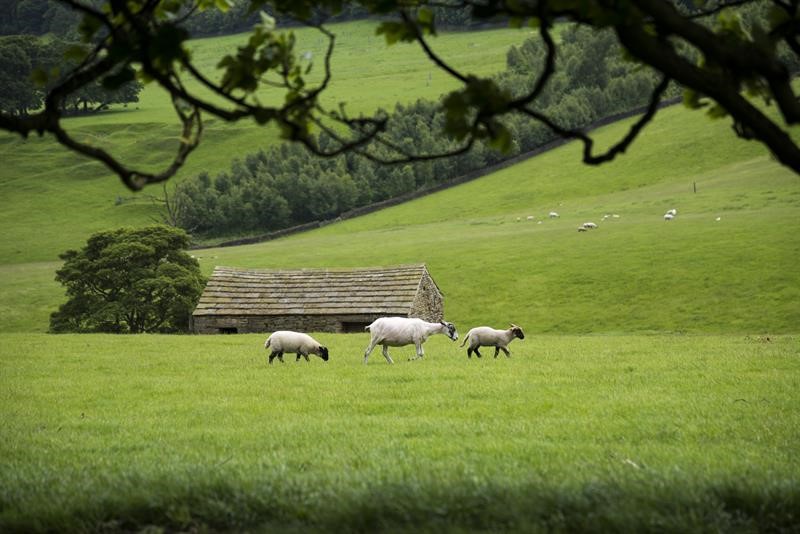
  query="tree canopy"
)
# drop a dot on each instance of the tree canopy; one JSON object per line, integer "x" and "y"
{"x": 129, "y": 281}
{"x": 723, "y": 67}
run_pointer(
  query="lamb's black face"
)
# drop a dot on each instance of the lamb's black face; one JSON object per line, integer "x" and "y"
{"x": 518, "y": 332}
{"x": 323, "y": 353}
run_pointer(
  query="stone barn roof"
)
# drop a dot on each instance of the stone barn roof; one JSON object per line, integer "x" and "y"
{"x": 377, "y": 291}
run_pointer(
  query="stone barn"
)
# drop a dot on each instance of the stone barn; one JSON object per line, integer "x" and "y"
{"x": 313, "y": 300}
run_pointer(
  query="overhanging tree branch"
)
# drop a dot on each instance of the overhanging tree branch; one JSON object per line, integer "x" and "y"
{"x": 716, "y": 85}
{"x": 146, "y": 36}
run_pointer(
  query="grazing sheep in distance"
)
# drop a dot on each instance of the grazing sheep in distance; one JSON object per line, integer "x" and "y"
{"x": 484, "y": 336}
{"x": 296, "y": 342}
{"x": 589, "y": 225}
{"x": 582, "y": 229}
{"x": 553, "y": 215}
{"x": 401, "y": 331}
{"x": 668, "y": 216}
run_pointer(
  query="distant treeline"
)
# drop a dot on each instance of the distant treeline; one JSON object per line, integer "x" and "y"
{"x": 31, "y": 65}
{"x": 286, "y": 185}
{"x": 39, "y": 17}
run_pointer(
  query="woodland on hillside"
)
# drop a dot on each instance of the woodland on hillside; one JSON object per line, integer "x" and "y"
{"x": 287, "y": 185}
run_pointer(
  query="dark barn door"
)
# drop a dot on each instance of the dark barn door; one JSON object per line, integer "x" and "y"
{"x": 354, "y": 327}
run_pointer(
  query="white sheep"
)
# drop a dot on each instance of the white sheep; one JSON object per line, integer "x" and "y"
{"x": 673, "y": 212}
{"x": 589, "y": 225}
{"x": 668, "y": 216}
{"x": 553, "y": 215}
{"x": 484, "y": 336}
{"x": 296, "y": 342}
{"x": 401, "y": 331}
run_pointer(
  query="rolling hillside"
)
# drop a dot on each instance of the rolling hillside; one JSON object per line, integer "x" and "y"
{"x": 53, "y": 200}
{"x": 635, "y": 273}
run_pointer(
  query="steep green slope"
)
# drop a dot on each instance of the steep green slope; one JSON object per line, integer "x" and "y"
{"x": 52, "y": 200}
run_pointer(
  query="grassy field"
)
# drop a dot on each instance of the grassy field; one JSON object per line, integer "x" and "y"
{"x": 572, "y": 433}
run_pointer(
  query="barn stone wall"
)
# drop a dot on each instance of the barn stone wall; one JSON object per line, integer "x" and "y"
{"x": 249, "y": 324}
{"x": 428, "y": 303}
{"x": 314, "y": 301}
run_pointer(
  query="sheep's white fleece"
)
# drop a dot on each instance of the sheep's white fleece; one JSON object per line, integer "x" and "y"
{"x": 400, "y": 331}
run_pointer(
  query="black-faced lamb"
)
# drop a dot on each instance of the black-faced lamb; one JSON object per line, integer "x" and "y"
{"x": 401, "y": 331}
{"x": 484, "y": 336}
{"x": 294, "y": 342}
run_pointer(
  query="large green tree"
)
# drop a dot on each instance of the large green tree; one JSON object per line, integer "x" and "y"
{"x": 129, "y": 281}
{"x": 701, "y": 45}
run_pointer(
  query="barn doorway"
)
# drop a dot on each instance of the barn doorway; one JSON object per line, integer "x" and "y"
{"x": 354, "y": 327}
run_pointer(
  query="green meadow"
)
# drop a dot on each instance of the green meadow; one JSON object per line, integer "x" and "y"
{"x": 656, "y": 389}
{"x": 572, "y": 433}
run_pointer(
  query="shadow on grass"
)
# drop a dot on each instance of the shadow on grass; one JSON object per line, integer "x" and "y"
{"x": 289, "y": 506}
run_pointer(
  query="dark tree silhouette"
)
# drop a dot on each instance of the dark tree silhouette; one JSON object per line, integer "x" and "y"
{"x": 146, "y": 40}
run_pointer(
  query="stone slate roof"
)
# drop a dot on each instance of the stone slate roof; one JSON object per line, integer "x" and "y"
{"x": 385, "y": 291}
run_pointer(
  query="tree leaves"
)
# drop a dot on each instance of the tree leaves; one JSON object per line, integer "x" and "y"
{"x": 129, "y": 280}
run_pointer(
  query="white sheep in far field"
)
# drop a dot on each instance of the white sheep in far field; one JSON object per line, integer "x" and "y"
{"x": 401, "y": 331}
{"x": 589, "y": 225}
{"x": 484, "y": 336}
{"x": 294, "y": 342}
{"x": 668, "y": 216}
